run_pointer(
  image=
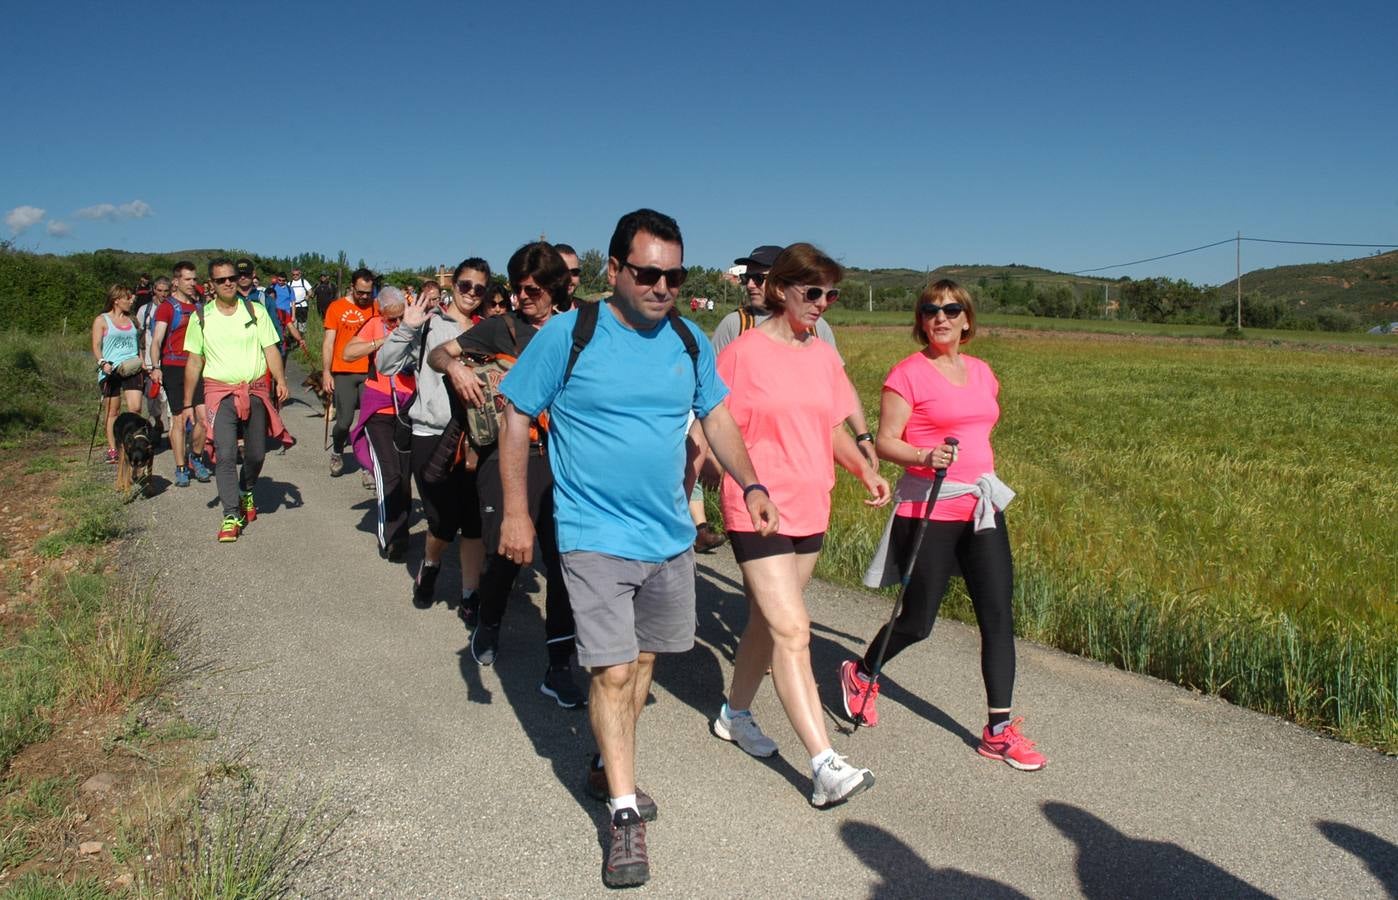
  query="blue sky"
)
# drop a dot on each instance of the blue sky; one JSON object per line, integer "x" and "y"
{"x": 891, "y": 134}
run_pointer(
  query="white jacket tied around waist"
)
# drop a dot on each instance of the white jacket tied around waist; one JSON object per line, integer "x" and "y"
{"x": 990, "y": 492}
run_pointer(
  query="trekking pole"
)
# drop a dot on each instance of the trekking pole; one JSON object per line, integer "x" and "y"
{"x": 938, "y": 477}
{"x": 101, "y": 407}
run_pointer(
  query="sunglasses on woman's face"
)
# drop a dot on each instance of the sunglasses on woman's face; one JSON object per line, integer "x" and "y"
{"x": 532, "y": 291}
{"x": 466, "y": 287}
{"x": 930, "y": 310}
{"x": 813, "y": 294}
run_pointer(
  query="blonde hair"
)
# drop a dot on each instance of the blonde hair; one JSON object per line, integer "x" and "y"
{"x": 944, "y": 292}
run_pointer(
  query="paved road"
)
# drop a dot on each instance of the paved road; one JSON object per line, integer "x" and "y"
{"x": 466, "y": 782}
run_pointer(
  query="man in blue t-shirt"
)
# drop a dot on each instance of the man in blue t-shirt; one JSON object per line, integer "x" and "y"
{"x": 617, "y": 450}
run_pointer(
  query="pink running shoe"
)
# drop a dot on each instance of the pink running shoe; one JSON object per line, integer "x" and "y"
{"x": 860, "y": 696}
{"x": 1011, "y": 746}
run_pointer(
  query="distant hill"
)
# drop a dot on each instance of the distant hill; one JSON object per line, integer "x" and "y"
{"x": 1365, "y": 285}
{"x": 916, "y": 279}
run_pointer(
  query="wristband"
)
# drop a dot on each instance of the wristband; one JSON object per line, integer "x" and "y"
{"x": 866, "y": 436}
{"x": 756, "y": 486}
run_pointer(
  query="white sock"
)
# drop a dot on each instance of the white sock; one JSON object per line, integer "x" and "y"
{"x": 821, "y": 759}
{"x": 730, "y": 713}
{"x": 626, "y": 802}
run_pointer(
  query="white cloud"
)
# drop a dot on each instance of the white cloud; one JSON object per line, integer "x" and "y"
{"x": 22, "y": 218}
{"x": 59, "y": 229}
{"x": 107, "y": 212}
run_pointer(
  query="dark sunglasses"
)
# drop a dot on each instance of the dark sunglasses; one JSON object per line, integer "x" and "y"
{"x": 813, "y": 294}
{"x": 646, "y": 276}
{"x": 575, "y": 272}
{"x": 532, "y": 291}
{"x": 365, "y": 294}
{"x": 497, "y": 304}
{"x": 225, "y": 279}
{"x": 756, "y": 278}
{"x": 930, "y": 310}
{"x": 466, "y": 287}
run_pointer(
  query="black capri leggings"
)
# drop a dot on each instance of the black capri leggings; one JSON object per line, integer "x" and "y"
{"x": 986, "y": 565}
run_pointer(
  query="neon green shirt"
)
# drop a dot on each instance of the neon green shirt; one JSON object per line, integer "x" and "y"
{"x": 232, "y": 347}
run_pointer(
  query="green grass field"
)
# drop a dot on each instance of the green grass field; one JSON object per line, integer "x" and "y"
{"x": 1224, "y": 515}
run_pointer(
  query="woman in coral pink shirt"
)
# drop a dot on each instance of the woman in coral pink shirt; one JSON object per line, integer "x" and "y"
{"x": 789, "y": 396}
{"x": 936, "y": 393}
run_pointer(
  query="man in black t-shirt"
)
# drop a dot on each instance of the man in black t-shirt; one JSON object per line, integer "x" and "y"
{"x": 324, "y": 292}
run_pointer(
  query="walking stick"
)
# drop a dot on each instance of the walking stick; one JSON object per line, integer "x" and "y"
{"x": 939, "y": 476}
{"x": 101, "y": 408}
{"x": 329, "y": 409}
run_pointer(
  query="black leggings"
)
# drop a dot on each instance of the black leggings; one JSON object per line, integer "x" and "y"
{"x": 498, "y": 578}
{"x": 986, "y": 565}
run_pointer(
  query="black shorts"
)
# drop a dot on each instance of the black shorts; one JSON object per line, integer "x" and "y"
{"x": 172, "y": 379}
{"x": 114, "y": 385}
{"x": 450, "y": 505}
{"x": 749, "y": 545}
{"x": 492, "y": 494}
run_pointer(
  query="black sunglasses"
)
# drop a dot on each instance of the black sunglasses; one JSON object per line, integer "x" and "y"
{"x": 813, "y": 294}
{"x": 365, "y": 294}
{"x": 575, "y": 272}
{"x": 930, "y": 310}
{"x": 225, "y": 279}
{"x": 756, "y": 278}
{"x": 646, "y": 276}
{"x": 466, "y": 287}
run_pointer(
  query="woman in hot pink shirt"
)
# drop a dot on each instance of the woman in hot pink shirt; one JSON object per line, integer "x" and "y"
{"x": 937, "y": 393}
{"x": 789, "y": 396}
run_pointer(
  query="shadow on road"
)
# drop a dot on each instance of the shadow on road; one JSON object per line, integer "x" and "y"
{"x": 1113, "y": 864}
{"x": 273, "y": 495}
{"x": 1378, "y": 854}
{"x": 903, "y": 873}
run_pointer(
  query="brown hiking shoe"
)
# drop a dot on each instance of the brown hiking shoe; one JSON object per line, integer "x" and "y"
{"x": 707, "y": 538}
{"x": 597, "y": 790}
{"x": 627, "y": 864}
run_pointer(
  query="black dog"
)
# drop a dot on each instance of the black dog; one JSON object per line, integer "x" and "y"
{"x": 135, "y": 451}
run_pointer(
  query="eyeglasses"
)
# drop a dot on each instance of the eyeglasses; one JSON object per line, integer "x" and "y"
{"x": 532, "y": 291}
{"x": 364, "y": 295}
{"x": 466, "y": 287}
{"x": 755, "y": 277}
{"x": 497, "y": 304}
{"x": 575, "y": 272}
{"x": 225, "y": 279}
{"x": 813, "y": 294}
{"x": 930, "y": 310}
{"x": 646, "y": 276}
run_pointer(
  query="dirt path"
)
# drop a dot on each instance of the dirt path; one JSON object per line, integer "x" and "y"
{"x": 466, "y": 782}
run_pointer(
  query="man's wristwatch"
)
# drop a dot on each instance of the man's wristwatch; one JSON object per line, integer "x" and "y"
{"x": 756, "y": 486}
{"x": 866, "y": 436}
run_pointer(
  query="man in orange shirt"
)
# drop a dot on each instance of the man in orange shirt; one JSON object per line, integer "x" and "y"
{"x": 340, "y": 377}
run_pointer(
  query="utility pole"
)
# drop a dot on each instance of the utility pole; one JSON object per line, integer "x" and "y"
{"x": 1106, "y": 301}
{"x": 1238, "y": 271}
{"x": 871, "y": 298}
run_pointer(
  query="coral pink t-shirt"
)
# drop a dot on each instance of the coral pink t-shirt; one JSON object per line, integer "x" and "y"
{"x": 787, "y": 402}
{"x": 942, "y": 410}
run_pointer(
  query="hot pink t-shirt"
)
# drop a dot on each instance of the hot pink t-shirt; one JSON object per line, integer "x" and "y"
{"x": 787, "y": 401}
{"x": 942, "y": 410}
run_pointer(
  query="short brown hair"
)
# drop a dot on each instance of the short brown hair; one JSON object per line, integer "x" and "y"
{"x": 944, "y": 292}
{"x": 801, "y": 263}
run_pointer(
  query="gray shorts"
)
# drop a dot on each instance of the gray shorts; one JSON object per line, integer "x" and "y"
{"x": 622, "y": 607}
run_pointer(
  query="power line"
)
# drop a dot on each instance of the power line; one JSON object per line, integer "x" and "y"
{"x": 1323, "y": 243}
{"x": 1154, "y": 258}
{"x": 1136, "y": 262}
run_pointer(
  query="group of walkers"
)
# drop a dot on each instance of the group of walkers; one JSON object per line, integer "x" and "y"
{"x": 579, "y": 430}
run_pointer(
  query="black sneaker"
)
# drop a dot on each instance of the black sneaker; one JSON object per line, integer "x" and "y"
{"x": 627, "y": 864}
{"x": 396, "y": 552}
{"x": 706, "y": 538}
{"x": 469, "y": 612}
{"x": 597, "y": 790}
{"x": 558, "y": 683}
{"x": 424, "y": 585}
{"x": 485, "y": 641}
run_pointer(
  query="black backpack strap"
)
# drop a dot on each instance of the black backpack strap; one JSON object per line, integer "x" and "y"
{"x": 510, "y": 327}
{"x": 584, "y": 327}
{"x": 691, "y": 346}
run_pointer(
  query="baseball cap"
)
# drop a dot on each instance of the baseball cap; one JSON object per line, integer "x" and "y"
{"x": 244, "y": 266}
{"x": 765, "y": 256}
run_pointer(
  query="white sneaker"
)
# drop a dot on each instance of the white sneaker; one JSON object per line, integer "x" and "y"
{"x": 837, "y": 781}
{"x": 743, "y": 731}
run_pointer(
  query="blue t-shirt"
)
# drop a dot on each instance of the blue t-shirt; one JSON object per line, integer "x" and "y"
{"x": 617, "y": 431}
